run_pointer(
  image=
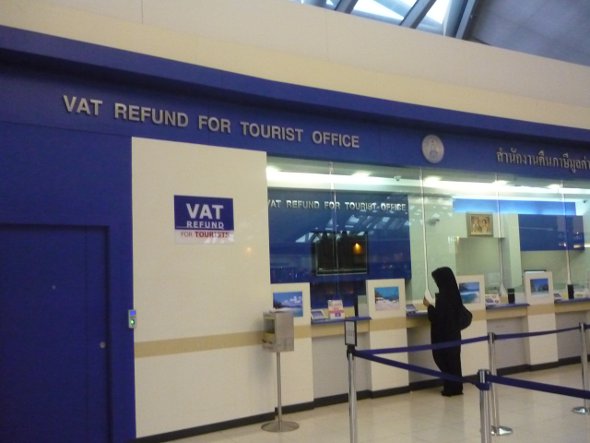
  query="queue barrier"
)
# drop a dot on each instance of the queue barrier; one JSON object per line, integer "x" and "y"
{"x": 486, "y": 378}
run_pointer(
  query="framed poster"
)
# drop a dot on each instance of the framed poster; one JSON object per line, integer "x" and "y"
{"x": 480, "y": 225}
{"x": 471, "y": 288}
{"x": 538, "y": 284}
{"x": 386, "y": 297}
{"x": 290, "y": 300}
{"x": 538, "y": 287}
{"x": 293, "y": 297}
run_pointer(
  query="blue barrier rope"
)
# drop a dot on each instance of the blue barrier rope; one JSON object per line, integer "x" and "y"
{"x": 534, "y": 334}
{"x": 443, "y": 345}
{"x": 536, "y": 386}
{"x": 454, "y": 343}
{"x": 371, "y": 354}
{"x": 367, "y": 355}
{"x": 524, "y": 384}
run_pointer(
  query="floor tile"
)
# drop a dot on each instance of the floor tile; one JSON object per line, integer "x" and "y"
{"x": 425, "y": 416}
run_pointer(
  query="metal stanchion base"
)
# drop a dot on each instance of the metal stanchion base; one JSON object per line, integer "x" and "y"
{"x": 500, "y": 431}
{"x": 582, "y": 410}
{"x": 280, "y": 426}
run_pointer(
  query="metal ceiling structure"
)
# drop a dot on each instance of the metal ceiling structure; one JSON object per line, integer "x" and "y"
{"x": 553, "y": 29}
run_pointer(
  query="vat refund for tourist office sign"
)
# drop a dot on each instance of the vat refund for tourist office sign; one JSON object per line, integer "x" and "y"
{"x": 203, "y": 219}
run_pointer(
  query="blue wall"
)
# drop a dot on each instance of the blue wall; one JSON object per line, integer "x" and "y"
{"x": 62, "y": 177}
{"x": 551, "y": 232}
{"x": 65, "y": 153}
{"x": 390, "y": 133}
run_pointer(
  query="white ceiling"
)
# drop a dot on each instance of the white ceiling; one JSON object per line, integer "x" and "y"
{"x": 558, "y": 29}
{"x": 548, "y": 28}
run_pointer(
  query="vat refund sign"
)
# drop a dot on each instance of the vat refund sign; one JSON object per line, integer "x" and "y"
{"x": 203, "y": 219}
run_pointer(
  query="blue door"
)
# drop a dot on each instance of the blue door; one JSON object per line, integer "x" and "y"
{"x": 53, "y": 334}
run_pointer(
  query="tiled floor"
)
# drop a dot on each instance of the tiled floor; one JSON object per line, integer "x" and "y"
{"x": 425, "y": 416}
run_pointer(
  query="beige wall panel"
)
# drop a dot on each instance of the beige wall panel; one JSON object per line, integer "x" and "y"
{"x": 186, "y": 294}
{"x": 383, "y": 377}
{"x": 186, "y": 290}
{"x": 188, "y": 390}
{"x": 296, "y": 374}
{"x": 541, "y": 349}
{"x": 401, "y": 64}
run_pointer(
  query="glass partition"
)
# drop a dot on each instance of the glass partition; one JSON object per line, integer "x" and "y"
{"x": 577, "y": 193}
{"x": 337, "y": 225}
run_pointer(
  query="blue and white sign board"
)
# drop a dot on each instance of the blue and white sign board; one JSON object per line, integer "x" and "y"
{"x": 203, "y": 219}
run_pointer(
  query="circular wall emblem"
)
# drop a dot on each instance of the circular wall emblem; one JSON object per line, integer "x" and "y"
{"x": 433, "y": 148}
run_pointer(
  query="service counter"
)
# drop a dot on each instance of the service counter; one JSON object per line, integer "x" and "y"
{"x": 330, "y": 364}
{"x": 418, "y": 330}
{"x": 508, "y": 319}
{"x": 569, "y": 314}
{"x": 329, "y": 352}
{"x": 330, "y": 328}
{"x": 506, "y": 311}
{"x": 573, "y": 305}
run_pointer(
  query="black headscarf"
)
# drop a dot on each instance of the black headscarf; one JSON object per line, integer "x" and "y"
{"x": 447, "y": 284}
{"x": 444, "y": 316}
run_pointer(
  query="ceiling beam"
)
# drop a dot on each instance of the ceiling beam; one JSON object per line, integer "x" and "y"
{"x": 346, "y": 6}
{"x": 466, "y": 19}
{"x": 320, "y": 3}
{"x": 417, "y": 13}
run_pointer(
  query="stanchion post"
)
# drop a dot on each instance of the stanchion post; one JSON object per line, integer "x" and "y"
{"x": 279, "y": 398}
{"x": 584, "y": 410}
{"x": 352, "y": 396}
{"x": 279, "y": 425}
{"x": 496, "y": 428}
{"x": 350, "y": 339}
{"x": 495, "y": 413}
{"x": 484, "y": 406}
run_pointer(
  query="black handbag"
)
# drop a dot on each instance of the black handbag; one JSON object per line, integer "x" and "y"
{"x": 465, "y": 317}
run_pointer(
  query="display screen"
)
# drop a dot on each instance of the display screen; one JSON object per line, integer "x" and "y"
{"x": 339, "y": 253}
{"x": 539, "y": 286}
{"x": 469, "y": 291}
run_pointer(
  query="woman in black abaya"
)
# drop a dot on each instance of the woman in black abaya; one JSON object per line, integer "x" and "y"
{"x": 445, "y": 326}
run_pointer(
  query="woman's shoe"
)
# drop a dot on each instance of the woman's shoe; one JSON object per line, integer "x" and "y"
{"x": 451, "y": 394}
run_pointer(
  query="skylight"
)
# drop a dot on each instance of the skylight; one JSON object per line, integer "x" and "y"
{"x": 439, "y": 11}
{"x": 392, "y": 11}
{"x": 375, "y": 8}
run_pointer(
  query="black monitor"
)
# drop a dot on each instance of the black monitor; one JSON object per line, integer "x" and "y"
{"x": 340, "y": 252}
